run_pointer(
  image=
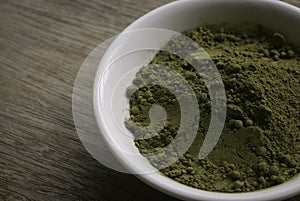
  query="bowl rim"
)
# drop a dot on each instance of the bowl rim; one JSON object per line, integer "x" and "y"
{"x": 176, "y": 189}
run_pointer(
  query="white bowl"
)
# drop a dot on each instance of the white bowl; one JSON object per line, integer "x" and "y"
{"x": 109, "y": 99}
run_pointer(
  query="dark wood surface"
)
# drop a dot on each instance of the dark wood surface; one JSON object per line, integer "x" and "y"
{"x": 42, "y": 46}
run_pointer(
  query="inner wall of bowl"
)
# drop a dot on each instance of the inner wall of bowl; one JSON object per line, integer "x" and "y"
{"x": 190, "y": 14}
{"x": 179, "y": 16}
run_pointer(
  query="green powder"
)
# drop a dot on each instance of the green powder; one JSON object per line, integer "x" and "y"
{"x": 260, "y": 143}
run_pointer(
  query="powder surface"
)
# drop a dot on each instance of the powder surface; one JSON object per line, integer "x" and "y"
{"x": 260, "y": 143}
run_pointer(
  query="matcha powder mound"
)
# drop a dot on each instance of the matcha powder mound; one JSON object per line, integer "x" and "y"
{"x": 260, "y": 143}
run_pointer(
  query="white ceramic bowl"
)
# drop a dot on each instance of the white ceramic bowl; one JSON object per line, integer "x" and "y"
{"x": 109, "y": 101}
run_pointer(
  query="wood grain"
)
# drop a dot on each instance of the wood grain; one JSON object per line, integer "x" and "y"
{"x": 42, "y": 45}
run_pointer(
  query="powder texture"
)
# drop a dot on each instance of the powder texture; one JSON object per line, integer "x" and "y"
{"x": 260, "y": 143}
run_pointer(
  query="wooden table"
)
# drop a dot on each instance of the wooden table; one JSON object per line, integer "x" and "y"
{"x": 42, "y": 46}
